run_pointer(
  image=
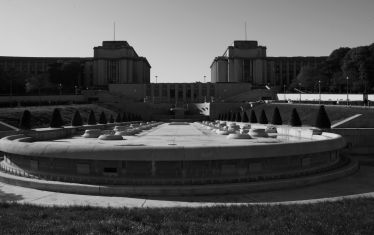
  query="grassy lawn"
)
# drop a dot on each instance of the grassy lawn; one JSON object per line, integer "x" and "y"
{"x": 343, "y": 217}
{"x": 308, "y": 114}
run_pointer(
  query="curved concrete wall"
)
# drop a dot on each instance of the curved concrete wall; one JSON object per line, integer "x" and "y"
{"x": 320, "y": 143}
{"x": 172, "y": 164}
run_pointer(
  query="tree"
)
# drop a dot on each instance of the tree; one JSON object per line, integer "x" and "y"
{"x": 357, "y": 64}
{"x": 25, "y": 120}
{"x": 295, "y": 119}
{"x": 233, "y": 117}
{"x": 111, "y": 119}
{"x": 12, "y": 82}
{"x": 322, "y": 120}
{"x": 38, "y": 83}
{"x": 277, "y": 119}
{"x": 252, "y": 117}
{"x": 244, "y": 116}
{"x": 56, "y": 121}
{"x": 102, "y": 119}
{"x": 77, "y": 119}
{"x": 125, "y": 117}
{"x": 91, "y": 118}
{"x": 308, "y": 78}
{"x": 237, "y": 117}
{"x": 334, "y": 61}
{"x": 263, "y": 118}
{"x": 118, "y": 118}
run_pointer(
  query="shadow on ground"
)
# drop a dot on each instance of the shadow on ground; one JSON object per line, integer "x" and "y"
{"x": 9, "y": 197}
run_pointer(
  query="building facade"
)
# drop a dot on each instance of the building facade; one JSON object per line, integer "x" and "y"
{"x": 246, "y": 61}
{"x": 184, "y": 93}
{"x": 115, "y": 62}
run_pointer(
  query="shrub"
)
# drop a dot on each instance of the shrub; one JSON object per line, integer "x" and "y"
{"x": 102, "y": 119}
{"x": 238, "y": 117}
{"x": 125, "y": 117}
{"x": 111, "y": 119}
{"x": 77, "y": 119}
{"x": 252, "y": 117}
{"x": 295, "y": 119}
{"x": 56, "y": 119}
{"x": 25, "y": 120}
{"x": 118, "y": 118}
{"x": 263, "y": 118}
{"x": 232, "y": 116}
{"x": 322, "y": 120}
{"x": 277, "y": 119}
{"x": 91, "y": 118}
{"x": 244, "y": 116}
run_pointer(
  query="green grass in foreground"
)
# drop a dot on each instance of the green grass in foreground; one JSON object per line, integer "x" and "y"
{"x": 343, "y": 217}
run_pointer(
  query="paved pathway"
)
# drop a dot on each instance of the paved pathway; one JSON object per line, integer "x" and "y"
{"x": 360, "y": 184}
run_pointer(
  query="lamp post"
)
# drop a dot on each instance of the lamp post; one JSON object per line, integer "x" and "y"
{"x": 300, "y": 92}
{"x": 156, "y": 78}
{"x": 319, "y": 90}
{"x": 204, "y": 78}
{"x": 347, "y": 92}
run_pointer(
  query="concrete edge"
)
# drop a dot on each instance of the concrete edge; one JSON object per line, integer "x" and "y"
{"x": 178, "y": 190}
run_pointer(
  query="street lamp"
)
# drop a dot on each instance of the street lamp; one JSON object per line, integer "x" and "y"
{"x": 204, "y": 78}
{"x": 319, "y": 90}
{"x": 347, "y": 92}
{"x": 156, "y": 78}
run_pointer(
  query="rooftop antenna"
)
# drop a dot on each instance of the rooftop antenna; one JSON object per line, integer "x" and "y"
{"x": 245, "y": 30}
{"x": 114, "y": 31}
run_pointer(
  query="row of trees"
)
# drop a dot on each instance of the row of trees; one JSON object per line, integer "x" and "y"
{"x": 355, "y": 63}
{"x": 322, "y": 120}
{"x": 57, "y": 121}
{"x": 59, "y": 77}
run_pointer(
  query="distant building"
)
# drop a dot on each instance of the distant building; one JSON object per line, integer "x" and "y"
{"x": 115, "y": 62}
{"x": 246, "y": 61}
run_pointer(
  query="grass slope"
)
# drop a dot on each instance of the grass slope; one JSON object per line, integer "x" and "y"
{"x": 343, "y": 217}
{"x": 43, "y": 114}
{"x": 308, "y": 114}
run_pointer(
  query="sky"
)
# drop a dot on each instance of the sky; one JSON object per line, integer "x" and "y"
{"x": 180, "y": 38}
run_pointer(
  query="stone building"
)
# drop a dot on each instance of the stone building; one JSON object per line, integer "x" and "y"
{"x": 116, "y": 62}
{"x": 246, "y": 61}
